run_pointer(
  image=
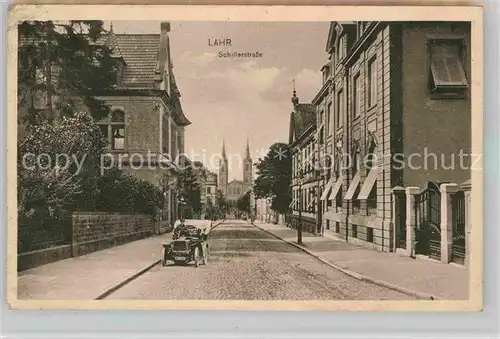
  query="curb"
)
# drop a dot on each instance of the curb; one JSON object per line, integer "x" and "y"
{"x": 353, "y": 274}
{"x": 125, "y": 281}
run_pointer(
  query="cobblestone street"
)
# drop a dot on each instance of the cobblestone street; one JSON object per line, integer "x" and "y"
{"x": 246, "y": 263}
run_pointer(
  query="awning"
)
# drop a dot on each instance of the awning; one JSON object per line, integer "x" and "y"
{"x": 328, "y": 186}
{"x": 336, "y": 188}
{"x": 352, "y": 188}
{"x": 368, "y": 184}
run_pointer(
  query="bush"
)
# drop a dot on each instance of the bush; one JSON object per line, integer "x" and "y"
{"x": 50, "y": 190}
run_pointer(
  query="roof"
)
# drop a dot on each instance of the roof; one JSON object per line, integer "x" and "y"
{"x": 140, "y": 53}
{"x": 300, "y": 120}
{"x": 234, "y": 181}
{"x": 332, "y": 32}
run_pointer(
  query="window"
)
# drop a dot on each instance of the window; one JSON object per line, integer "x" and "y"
{"x": 209, "y": 190}
{"x": 322, "y": 129}
{"x": 356, "y": 160}
{"x": 340, "y": 49}
{"x": 371, "y": 201}
{"x": 447, "y": 77}
{"x": 371, "y": 156}
{"x": 340, "y": 108}
{"x": 113, "y": 129}
{"x": 369, "y": 234}
{"x": 354, "y": 231}
{"x": 369, "y": 189}
{"x": 356, "y": 95}
{"x": 338, "y": 201}
{"x": 372, "y": 82}
{"x": 328, "y": 118}
{"x": 326, "y": 74}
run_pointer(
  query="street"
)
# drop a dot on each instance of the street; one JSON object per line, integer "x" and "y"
{"x": 247, "y": 263}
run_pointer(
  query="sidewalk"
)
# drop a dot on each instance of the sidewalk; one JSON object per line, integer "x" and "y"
{"x": 90, "y": 276}
{"x": 425, "y": 277}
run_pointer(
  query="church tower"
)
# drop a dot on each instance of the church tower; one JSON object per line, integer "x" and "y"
{"x": 223, "y": 171}
{"x": 247, "y": 170}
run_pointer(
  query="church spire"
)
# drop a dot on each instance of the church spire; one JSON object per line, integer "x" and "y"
{"x": 223, "y": 149}
{"x": 248, "y": 150}
{"x": 111, "y": 27}
{"x": 295, "y": 100}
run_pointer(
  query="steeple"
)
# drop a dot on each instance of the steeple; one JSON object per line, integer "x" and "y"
{"x": 248, "y": 150}
{"x": 223, "y": 149}
{"x": 111, "y": 27}
{"x": 295, "y": 100}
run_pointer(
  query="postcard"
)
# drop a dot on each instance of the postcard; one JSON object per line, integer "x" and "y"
{"x": 245, "y": 157}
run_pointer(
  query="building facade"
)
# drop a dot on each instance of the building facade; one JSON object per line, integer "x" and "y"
{"x": 146, "y": 115}
{"x": 401, "y": 113}
{"x": 305, "y": 183}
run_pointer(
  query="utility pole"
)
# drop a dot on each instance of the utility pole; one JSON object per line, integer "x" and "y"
{"x": 299, "y": 229}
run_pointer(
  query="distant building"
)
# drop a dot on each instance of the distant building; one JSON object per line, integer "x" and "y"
{"x": 211, "y": 187}
{"x": 235, "y": 189}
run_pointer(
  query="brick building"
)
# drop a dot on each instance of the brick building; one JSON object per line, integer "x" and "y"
{"x": 399, "y": 92}
{"x": 145, "y": 115}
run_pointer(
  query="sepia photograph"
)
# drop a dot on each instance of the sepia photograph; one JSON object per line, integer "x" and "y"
{"x": 253, "y": 161}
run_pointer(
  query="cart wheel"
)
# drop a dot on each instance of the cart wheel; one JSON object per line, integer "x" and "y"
{"x": 164, "y": 257}
{"x": 197, "y": 257}
{"x": 205, "y": 257}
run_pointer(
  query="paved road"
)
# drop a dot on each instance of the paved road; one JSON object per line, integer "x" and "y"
{"x": 249, "y": 264}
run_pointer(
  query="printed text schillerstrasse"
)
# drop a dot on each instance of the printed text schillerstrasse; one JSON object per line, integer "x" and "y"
{"x": 235, "y": 55}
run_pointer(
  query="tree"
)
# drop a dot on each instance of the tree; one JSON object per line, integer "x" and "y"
{"x": 243, "y": 203}
{"x": 59, "y": 62}
{"x": 220, "y": 202}
{"x": 274, "y": 177}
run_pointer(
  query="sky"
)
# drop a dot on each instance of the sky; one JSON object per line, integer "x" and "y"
{"x": 233, "y": 99}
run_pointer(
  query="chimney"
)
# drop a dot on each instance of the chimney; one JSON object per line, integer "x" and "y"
{"x": 162, "y": 57}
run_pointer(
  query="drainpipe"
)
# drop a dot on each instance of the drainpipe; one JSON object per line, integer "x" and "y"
{"x": 346, "y": 137}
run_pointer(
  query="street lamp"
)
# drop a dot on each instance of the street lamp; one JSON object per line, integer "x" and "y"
{"x": 182, "y": 202}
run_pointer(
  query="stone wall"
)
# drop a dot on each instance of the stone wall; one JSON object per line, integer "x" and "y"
{"x": 93, "y": 232}
{"x": 97, "y": 231}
